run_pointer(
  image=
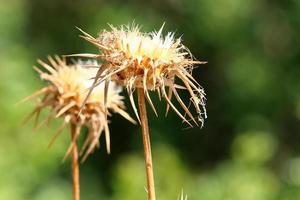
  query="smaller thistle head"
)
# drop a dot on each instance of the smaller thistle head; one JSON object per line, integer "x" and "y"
{"x": 150, "y": 61}
{"x": 65, "y": 93}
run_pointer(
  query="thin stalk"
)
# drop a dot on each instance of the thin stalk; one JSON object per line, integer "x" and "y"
{"x": 75, "y": 166}
{"x": 146, "y": 142}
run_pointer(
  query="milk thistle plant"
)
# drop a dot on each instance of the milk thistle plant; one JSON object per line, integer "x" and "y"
{"x": 148, "y": 62}
{"x": 64, "y": 94}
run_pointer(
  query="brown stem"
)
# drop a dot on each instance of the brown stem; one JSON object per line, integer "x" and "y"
{"x": 146, "y": 142}
{"x": 75, "y": 166}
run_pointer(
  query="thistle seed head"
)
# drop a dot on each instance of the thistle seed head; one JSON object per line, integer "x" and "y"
{"x": 65, "y": 94}
{"x": 150, "y": 61}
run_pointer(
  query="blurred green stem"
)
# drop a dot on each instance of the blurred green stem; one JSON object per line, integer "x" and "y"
{"x": 146, "y": 142}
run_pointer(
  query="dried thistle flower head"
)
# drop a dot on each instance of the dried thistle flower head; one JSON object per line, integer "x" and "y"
{"x": 150, "y": 61}
{"x": 65, "y": 93}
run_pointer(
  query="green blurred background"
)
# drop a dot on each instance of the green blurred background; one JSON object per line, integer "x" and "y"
{"x": 249, "y": 147}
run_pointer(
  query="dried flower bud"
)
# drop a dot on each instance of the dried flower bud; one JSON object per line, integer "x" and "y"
{"x": 150, "y": 61}
{"x": 65, "y": 94}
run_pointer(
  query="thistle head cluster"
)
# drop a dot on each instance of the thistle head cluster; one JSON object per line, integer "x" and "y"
{"x": 65, "y": 94}
{"x": 150, "y": 61}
